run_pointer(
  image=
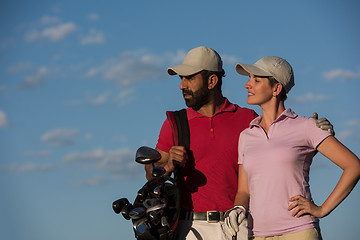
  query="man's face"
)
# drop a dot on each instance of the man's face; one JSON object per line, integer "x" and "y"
{"x": 195, "y": 90}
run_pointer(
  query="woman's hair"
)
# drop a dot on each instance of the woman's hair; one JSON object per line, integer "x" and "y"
{"x": 206, "y": 74}
{"x": 282, "y": 95}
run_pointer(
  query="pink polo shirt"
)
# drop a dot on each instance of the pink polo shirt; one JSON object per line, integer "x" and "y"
{"x": 212, "y": 170}
{"x": 277, "y": 166}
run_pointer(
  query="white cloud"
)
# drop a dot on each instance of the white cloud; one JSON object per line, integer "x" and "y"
{"x": 94, "y": 37}
{"x": 125, "y": 96}
{"x": 39, "y": 154}
{"x": 19, "y": 67}
{"x": 341, "y": 74}
{"x": 175, "y": 58}
{"x": 117, "y": 162}
{"x": 54, "y": 33}
{"x": 88, "y": 136}
{"x": 98, "y": 100}
{"x": 92, "y": 181}
{"x": 49, "y": 20}
{"x": 131, "y": 67}
{"x": 309, "y": 97}
{"x": 228, "y": 59}
{"x": 101, "y": 99}
{"x": 3, "y": 119}
{"x": 353, "y": 123}
{"x": 60, "y": 137}
{"x": 36, "y": 79}
{"x": 27, "y": 167}
{"x": 93, "y": 16}
{"x": 344, "y": 135}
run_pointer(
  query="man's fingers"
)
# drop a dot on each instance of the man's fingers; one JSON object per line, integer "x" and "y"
{"x": 315, "y": 115}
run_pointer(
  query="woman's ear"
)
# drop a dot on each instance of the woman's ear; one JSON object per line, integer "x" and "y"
{"x": 212, "y": 81}
{"x": 277, "y": 89}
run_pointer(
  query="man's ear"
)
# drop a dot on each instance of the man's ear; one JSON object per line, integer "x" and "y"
{"x": 212, "y": 81}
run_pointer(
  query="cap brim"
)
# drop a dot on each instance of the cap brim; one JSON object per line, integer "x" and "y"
{"x": 183, "y": 70}
{"x": 245, "y": 69}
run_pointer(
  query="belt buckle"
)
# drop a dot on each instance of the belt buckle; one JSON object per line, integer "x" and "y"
{"x": 212, "y": 216}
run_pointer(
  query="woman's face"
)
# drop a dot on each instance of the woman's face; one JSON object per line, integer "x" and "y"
{"x": 259, "y": 90}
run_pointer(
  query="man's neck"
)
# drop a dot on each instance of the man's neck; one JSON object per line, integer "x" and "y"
{"x": 213, "y": 106}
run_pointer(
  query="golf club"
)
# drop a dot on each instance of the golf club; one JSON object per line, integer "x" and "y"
{"x": 119, "y": 204}
{"x": 126, "y": 210}
{"x": 137, "y": 213}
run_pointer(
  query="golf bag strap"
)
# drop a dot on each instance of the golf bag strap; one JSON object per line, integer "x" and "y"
{"x": 180, "y": 127}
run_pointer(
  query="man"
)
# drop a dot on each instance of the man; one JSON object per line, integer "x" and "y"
{"x": 210, "y": 167}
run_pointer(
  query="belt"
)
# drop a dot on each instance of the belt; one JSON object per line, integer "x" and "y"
{"x": 209, "y": 216}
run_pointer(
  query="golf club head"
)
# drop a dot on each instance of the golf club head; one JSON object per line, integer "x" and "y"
{"x": 126, "y": 210}
{"x": 119, "y": 204}
{"x": 150, "y": 202}
{"x": 155, "y": 216}
{"x": 156, "y": 207}
{"x": 157, "y": 190}
{"x": 137, "y": 213}
{"x": 158, "y": 171}
{"x": 142, "y": 192}
{"x": 147, "y": 155}
{"x": 141, "y": 226}
{"x": 165, "y": 223}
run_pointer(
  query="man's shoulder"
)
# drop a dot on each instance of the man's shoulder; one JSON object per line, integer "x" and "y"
{"x": 244, "y": 110}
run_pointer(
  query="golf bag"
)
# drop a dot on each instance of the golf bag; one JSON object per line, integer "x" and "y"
{"x": 156, "y": 209}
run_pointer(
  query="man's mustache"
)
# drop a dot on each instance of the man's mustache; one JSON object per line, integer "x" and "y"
{"x": 187, "y": 92}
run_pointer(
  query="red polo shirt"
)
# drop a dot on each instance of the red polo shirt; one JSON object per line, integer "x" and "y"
{"x": 211, "y": 171}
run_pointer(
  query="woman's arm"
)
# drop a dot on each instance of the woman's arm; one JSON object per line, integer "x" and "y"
{"x": 349, "y": 163}
{"x": 243, "y": 195}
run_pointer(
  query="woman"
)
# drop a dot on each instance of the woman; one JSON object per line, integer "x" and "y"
{"x": 275, "y": 154}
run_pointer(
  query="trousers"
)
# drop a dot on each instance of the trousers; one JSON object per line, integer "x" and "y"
{"x": 308, "y": 234}
{"x": 202, "y": 230}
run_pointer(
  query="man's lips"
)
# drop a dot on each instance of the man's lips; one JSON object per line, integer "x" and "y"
{"x": 187, "y": 95}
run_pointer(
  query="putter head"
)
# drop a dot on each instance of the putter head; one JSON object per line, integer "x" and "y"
{"x": 119, "y": 204}
{"x": 158, "y": 171}
{"x": 147, "y": 155}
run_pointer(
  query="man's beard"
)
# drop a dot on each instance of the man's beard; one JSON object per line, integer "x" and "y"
{"x": 199, "y": 98}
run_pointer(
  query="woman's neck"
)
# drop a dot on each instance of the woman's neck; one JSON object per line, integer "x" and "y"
{"x": 270, "y": 112}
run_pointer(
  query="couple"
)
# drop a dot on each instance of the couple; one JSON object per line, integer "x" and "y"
{"x": 264, "y": 171}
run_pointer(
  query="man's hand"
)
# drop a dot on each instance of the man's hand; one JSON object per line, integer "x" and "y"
{"x": 233, "y": 219}
{"x": 178, "y": 154}
{"x": 324, "y": 124}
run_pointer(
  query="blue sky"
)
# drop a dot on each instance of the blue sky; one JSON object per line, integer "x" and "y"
{"x": 83, "y": 84}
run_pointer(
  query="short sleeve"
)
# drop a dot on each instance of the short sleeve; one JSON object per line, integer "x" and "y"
{"x": 315, "y": 134}
{"x": 165, "y": 140}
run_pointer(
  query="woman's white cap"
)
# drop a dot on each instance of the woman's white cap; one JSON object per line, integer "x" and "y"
{"x": 271, "y": 66}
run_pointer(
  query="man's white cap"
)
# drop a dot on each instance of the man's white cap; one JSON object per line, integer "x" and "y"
{"x": 196, "y": 60}
{"x": 272, "y": 66}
